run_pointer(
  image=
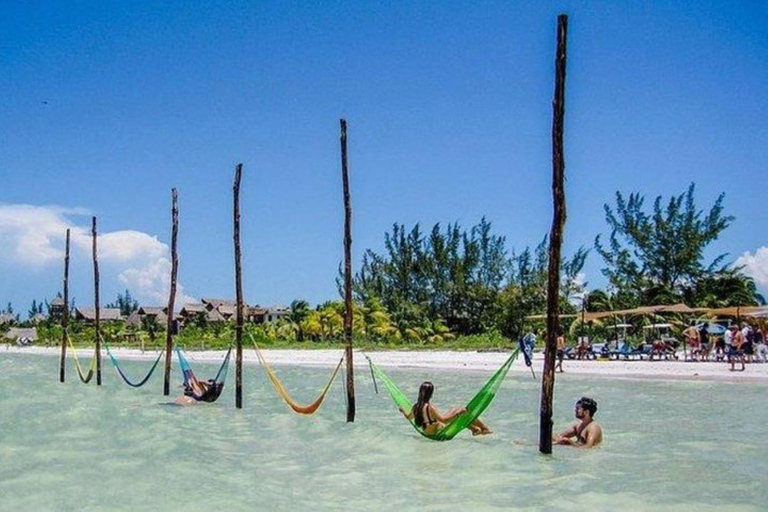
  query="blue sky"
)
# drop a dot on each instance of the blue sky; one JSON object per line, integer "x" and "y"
{"x": 108, "y": 105}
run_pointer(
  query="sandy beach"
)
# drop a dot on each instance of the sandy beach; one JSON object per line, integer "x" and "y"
{"x": 450, "y": 360}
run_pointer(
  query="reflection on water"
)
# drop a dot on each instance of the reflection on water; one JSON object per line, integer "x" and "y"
{"x": 668, "y": 445}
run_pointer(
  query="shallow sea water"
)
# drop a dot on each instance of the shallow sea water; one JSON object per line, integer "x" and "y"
{"x": 669, "y": 445}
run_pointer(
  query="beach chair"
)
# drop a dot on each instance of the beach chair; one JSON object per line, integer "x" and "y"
{"x": 624, "y": 350}
{"x": 641, "y": 351}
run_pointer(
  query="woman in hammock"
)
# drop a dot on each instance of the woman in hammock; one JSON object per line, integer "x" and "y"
{"x": 198, "y": 391}
{"x": 428, "y": 418}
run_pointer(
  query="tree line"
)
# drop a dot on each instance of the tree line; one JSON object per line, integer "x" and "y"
{"x": 435, "y": 284}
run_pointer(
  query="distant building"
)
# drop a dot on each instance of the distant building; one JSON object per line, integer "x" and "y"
{"x": 224, "y": 310}
{"x": 88, "y": 315}
{"x": 21, "y": 336}
{"x": 57, "y": 308}
{"x": 7, "y": 319}
{"x": 158, "y": 313}
{"x": 37, "y": 318}
{"x": 274, "y": 314}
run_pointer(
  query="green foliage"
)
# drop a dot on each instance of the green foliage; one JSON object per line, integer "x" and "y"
{"x": 35, "y": 309}
{"x": 526, "y": 293}
{"x": 125, "y": 303}
{"x": 652, "y": 256}
{"x": 452, "y": 275}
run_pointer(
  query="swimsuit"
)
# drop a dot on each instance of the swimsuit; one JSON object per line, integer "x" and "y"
{"x": 425, "y": 415}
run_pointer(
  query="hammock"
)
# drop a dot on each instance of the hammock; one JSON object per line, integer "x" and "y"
{"x": 475, "y": 407}
{"x": 124, "y": 377}
{"x": 215, "y": 385}
{"x": 85, "y": 379}
{"x": 308, "y": 409}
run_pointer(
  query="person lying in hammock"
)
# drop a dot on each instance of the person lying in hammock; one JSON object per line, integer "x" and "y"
{"x": 428, "y": 418}
{"x": 198, "y": 391}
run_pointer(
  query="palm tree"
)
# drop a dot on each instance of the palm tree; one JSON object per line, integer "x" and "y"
{"x": 298, "y": 314}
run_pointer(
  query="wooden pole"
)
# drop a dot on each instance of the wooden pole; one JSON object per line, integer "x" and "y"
{"x": 96, "y": 301}
{"x": 65, "y": 314}
{"x": 238, "y": 292}
{"x": 172, "y": 293}
{"x": 555, "y": 240}
{"x": 347, "y": 275}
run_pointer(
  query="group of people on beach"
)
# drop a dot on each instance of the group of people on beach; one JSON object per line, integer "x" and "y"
{"x": 737, "y": 345}
{"x": 745, "y": 344}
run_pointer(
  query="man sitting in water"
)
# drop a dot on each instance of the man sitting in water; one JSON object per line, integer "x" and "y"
{"x": 585, "y": 433}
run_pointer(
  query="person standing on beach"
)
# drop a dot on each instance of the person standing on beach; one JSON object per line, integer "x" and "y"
{"x": 704, "y": 342}
{"x": 560, "y": 352}
{"x": 585, "y": 433}
{"x": 748, "y": 337}
{"x": 761, "y": 350}
{"x": 692, "y": 340}
{"x": 733, "y": 342}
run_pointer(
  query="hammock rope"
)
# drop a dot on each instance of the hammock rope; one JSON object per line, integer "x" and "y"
{"x": 216, "y": 385}
{"x": 122, "y": 374}
{"x": 84, "y": 378}
{"x": 308, "y": 409}
{"x": 475, "y": 407}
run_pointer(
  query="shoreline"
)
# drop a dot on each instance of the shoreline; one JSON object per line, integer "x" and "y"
{"x": 450, "y": 360}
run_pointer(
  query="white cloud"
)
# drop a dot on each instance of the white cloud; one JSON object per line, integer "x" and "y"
{"x": 153, "y": 282}
{"x": 756, "y": 265}
{"x": 35, "y": 235}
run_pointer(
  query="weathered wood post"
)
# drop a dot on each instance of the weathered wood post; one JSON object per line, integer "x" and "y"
{"x": 555, "y": 240}
{"x": 96, "y": 301}
{"x": 347, "y": 275}
{"x": 65, "y": 315}
{"x": 172, "y": 292}
{"x": 238, "y": 292}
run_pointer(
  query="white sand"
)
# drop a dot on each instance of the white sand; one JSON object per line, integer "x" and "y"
{"x": 471, "y": 361}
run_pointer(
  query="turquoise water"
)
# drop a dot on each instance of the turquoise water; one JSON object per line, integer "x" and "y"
{"x": 668, "y": 446}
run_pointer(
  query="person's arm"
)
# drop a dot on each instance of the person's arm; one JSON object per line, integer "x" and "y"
{"x": 407, "y": 414}
{"x": 565, "y": 436}
{"x": 448, "y": 417}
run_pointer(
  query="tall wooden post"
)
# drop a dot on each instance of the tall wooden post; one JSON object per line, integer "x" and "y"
{"x": 172, "y": 293}
{"x": 65, "y": 315}
{"x": 555, "y": 240}
{"x": 238, "y": 292}
{"x": 347, "y": 275}
{"x": 96, "y": 301}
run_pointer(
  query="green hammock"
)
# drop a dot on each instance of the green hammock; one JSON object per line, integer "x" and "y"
{"x": 475, "y": 407}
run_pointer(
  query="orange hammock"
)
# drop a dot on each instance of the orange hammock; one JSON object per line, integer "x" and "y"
{"x": 301, "y": 409}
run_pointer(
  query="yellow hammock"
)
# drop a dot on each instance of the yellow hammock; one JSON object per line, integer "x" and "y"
{"x": 301, "y": 409}
{"x": 91, "y": 368}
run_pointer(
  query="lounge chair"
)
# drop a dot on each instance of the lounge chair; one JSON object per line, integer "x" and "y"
{"x": 624, "y": 350}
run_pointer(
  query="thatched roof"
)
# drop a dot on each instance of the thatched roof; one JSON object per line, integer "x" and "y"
{"x": 192, "y": 308}
{"x": 107, "y": 314}
{"x": 214, "y": 316}
{"x": 14, "y": 333}
{"x": 153, "y": 310}
{"x": 227, "y": 310}
{"x": 58, "y": 301}
{"x": 133, "y": 320}
{"x": 7, "y": 318}
{"x": 215, "y": 303}
{"x": 735, "y": 310}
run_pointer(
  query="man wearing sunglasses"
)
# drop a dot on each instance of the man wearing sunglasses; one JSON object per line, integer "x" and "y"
{"x": 585, "y": 433}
